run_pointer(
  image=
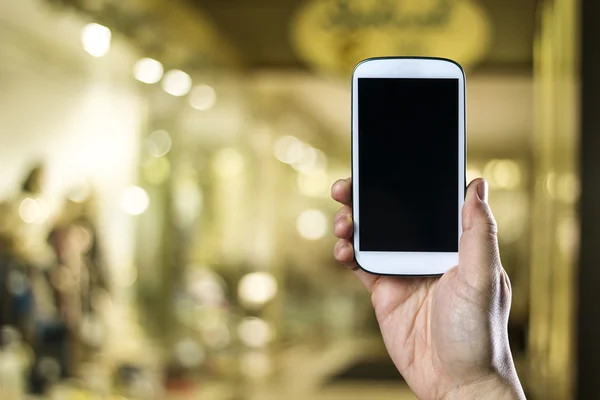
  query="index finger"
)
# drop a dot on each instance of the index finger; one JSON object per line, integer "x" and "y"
{"x": 341, "y": 191}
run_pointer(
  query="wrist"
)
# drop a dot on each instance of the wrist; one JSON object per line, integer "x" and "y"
{"x": 495, "y": 387}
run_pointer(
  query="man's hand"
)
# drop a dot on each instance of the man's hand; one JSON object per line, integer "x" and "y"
{"x": 447, "y": 336}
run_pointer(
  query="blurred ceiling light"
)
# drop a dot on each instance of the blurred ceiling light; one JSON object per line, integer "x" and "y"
{"x": 506, "y": 174}
{"x": 312, "y": 224}
{"x": 314, "y": 184}
{"x": 288, "y": 149}
{"x": 254, "y": 332}
{"x": 29, "y": 210}
{"x": 156, "y": 170}
{"x": 307, "y": 159}
{"x": 177, "y": 83}
{"x": 228, "y": 163}
{"x": 96, "y": 39}
{"x": 44, "y": 211}
{"x": 189, "y": 353}
{"x": 203, "y": 97}
{"x": 503, "y": 174}
{"x": 135, "y": 200}
{"x": 148, "y": 70}
{"x": 256, "y": 364}
{"x": 159, "y": 143}
{"x": 257, "y": 288}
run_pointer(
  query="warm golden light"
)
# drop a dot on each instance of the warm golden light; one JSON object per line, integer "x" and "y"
{"x": 177, "y": 83}
{"x": 288, "y": 149}
{"x": 44, "y": 211}
{"x": 96, "y": 39}
{"x": 254, "y": 332}
{"x": 257, "y": 288}
{"x": 228, "y": 163}
{"x": 189, "y": 353}
{"x": 503, "y": 174}
{"x": 80, "y": 192}
{"x": 256, "y": 364}
{"x": 507, "y": 174}
{"x": 472, "y": 173}
{"x": 159, "y": 143}
{"x": 312, "y": 224}
{"x": 314, "y": 184}
{"x": 156, "y": 170}
{"x": 29, "y": 210}
{"x": 135, "y": 200}
{"x": 203, "y": 97}
{"x": 148, "y": 70}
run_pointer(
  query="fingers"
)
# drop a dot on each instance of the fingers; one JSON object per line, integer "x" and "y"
{"x": 479, "y": 258}
{"x": 341, "y": 191}
{"x": 343, "y": 226}
{"x": 344, "y": 253}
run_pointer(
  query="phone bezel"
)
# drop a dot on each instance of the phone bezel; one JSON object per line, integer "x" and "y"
{"x": 407, "y": 263}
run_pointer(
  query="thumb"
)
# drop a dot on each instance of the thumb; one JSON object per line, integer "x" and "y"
{"x": 479, "y": 258}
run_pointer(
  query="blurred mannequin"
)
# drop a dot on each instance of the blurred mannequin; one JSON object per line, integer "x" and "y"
{"x": 26, "y": 219}
{"x": 79, "y": 278}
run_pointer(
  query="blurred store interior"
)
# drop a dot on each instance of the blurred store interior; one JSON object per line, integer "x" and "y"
{"x": 166, "y": 165}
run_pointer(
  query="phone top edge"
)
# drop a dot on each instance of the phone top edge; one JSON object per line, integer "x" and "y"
{"x": 424, "y": 58}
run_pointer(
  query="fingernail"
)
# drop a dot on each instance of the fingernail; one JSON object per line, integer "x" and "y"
{"x": 482, "y": 191}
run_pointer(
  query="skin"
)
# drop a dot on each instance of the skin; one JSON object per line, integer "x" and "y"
{"x": 446, "y": 335}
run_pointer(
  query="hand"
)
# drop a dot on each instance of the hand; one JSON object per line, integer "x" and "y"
{"x": 447, "y": 336}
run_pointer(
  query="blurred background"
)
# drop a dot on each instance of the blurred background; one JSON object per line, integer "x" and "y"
{"x": 165, "y": 223}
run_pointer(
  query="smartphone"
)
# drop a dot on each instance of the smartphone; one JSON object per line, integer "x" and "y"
{"x": 408, "y": 164}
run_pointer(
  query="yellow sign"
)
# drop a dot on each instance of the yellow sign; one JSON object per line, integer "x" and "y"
{"x": 333, "y": 35}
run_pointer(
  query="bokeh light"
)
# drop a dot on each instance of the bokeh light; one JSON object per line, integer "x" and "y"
{"x": 473, "y": 173}
{"x": 159, "y": 143}
{"x": 29, "y": 210}
{"x": 257, "y": 288}
{"x": 203, "y": 97}
{"x": 503, "y": 174}
{"x": 135, "y": 200}
{"x": 156, "y": 170}
{"x": 254, "y": 332}
{"x": 80, "y": 191}
{"x": 96, "y": 39}
{"x": 312, "y": 224}
{"x": 177, "y": 83}
{"x": 288, "y": 149}
{"x": 315, "y": 184}
{"x": 148, "y": 70}
{"x": 228, "y": 163}
{"x": 189, "y": 353}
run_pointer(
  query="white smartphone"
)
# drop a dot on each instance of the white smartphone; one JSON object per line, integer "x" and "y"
{"x": 408, "y": 164}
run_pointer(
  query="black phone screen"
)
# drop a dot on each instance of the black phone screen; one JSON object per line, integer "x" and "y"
{"x": 408, "y": 155}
